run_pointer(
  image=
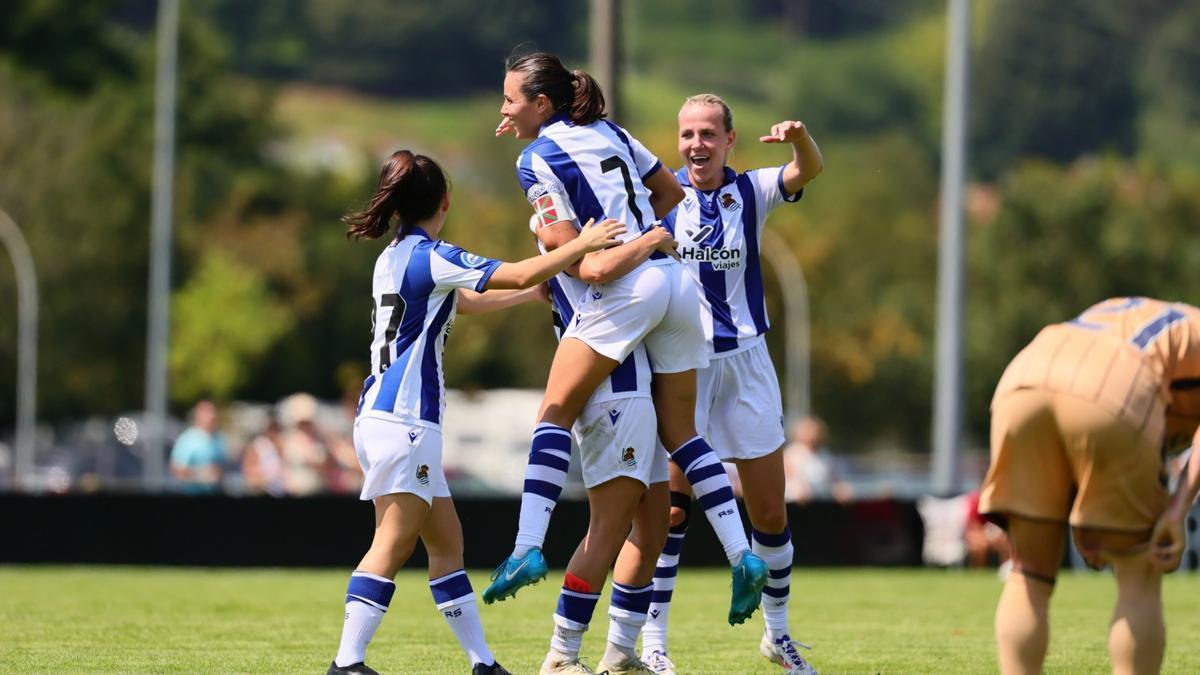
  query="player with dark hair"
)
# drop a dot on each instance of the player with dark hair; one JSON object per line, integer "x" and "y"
{"x": 419, "y": 283}
{"x": 1081, "y": 421}
{"x": 580, "y": 166}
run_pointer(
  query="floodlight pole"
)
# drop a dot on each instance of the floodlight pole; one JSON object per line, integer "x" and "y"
{"x": 604, "y": 51}
{"x": 948, "y": 393}
{"x": 27, "y": 310}
{"x": 796, "y": 379}
{"x": 161, "y": 205}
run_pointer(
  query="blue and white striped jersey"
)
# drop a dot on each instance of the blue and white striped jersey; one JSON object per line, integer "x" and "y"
{"x": 718, "y": 232}
{"x": 597, "y": 169}
{"x": 415, "y": 290}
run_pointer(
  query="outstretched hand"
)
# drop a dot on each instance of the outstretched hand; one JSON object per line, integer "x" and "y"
{"x": 790, "y": 131}
{"x": 596, "y": 236}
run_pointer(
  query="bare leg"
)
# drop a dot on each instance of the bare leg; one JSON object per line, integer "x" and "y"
{"x": 575, "y": 373}
{"x": 1022, "y": 623}
{"x": 398, "y": 520}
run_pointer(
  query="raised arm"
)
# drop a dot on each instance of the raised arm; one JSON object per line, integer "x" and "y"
{"x": 806, "y": 156}
{"x": 535, "y": 270}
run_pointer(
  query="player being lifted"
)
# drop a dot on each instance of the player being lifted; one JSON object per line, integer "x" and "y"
{"x": 1081, "y": 419}
{"x": 719, "y": 229}
{"x": 418, "y": 284}
{"x": 577, "y": 165}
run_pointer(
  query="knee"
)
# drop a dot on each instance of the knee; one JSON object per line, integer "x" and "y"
{"x": 681, "y": 512}
{"x": 771, "y": 520}
{"x": 397, "y": 548}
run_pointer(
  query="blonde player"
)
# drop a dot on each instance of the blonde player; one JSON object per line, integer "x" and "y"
{"x": 719, "y": 228}
{"x": 419, "y": 283}
{"x": 1080, "y": 422}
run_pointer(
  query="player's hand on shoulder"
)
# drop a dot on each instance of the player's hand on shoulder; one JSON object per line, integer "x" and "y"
{"x": 596, "y": 236}
{"x": 789, "y": 131}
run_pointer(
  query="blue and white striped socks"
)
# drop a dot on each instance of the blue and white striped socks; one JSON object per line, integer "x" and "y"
{"x": 776, "y": 550}
{"x": 456, "y": 601}
{"x": 654, "y": 636}
{"x": 714, "y": 493}
{"x": 545, "y": 475}
{"x": 627, "y": 615}
{"x": 571, "y": 620}
{"x": 367, "y": 599}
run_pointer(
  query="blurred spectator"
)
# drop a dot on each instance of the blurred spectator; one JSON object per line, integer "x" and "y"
{"x": 808, "y": 465}
{"x": 306, "y": 457}
{"x": 262, "y": 462}
{"x": 198, "y": 456}
{"x": 983, "y": 537}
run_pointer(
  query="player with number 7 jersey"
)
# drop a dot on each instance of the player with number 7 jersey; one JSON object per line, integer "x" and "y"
{"x": 579, "y": 165}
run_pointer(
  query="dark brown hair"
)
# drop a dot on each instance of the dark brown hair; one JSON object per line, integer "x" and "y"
{"x": 573, "y": 92}
{"x": 410, "y": 187}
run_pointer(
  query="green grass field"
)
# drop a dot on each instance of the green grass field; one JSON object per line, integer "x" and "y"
{"x": 81, "y": 619}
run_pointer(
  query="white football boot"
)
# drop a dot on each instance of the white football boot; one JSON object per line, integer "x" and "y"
{"x": 560, "y": 664}
{"x": 659, "y": 663}
{"x": 784, "y": 653}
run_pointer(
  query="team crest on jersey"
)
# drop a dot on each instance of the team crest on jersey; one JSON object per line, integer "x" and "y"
{"x": 423, "y": 474}
{"x": 729, "y": 202}
{"x": 471, "y": 260}
{"x": 628, "y": 458}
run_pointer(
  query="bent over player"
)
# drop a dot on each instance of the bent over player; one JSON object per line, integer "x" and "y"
{"x": 1080, "y": 422}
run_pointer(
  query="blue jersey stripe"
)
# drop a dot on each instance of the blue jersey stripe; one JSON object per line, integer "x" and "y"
{"x": 724, "y": 329}
{"x": 625, "y": 377}
{"x": 583, "y": 199}
{"x": 753, "y": 277}
{"x": 431, "y": 380}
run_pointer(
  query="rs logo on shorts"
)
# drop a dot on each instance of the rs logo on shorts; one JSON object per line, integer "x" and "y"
{"x": 628, "y": 458}
{"x": 423, "y": 474}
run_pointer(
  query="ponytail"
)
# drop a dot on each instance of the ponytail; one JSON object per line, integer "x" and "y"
{"x": 572, "y": 92}
{"x": 588, "y": 104}
{"x": 410, "y": 187}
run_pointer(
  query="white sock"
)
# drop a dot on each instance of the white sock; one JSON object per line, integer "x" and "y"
{"x": 456, "y": 601}
{"x": 776, "y": 550}
{"x": 367, "y": 599}
{"x": 654, "y": 634}
{"x": 714, "y": 493}
{"x": 545, "y": 475}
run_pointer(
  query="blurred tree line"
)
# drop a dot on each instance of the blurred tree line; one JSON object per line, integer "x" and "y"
{"x": 1084, "y": 148}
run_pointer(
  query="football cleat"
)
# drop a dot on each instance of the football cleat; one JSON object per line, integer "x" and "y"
{"x": 494, "y": 669}
{"x": 561, "y": 664}
{"x": 783, "y": 652}
{"x": 359, "y": 668}
{"x": 630, "y": 667}
{"x": 515, "y": 573}
{"x": 749, "y": 578}
{"x": 659, "y": 663}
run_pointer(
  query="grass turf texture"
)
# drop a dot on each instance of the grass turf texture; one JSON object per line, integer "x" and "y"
{"x": 80, "y": 619}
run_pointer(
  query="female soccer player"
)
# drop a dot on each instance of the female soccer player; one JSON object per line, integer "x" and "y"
{"x": 718, "y": 227}
{"x": 578, "y": 166}
{"x": 419, "y": 282}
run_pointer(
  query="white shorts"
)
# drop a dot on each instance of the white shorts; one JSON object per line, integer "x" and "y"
{"x": 657, "y": 304}
{"x": 399, "y": 457}
{"x": 739, "y": 410}
{"x": 620, "y": 438}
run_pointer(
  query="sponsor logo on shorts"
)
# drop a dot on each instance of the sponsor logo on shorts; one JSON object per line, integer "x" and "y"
{"x": 613, "y": 415}
{"x": 596, "y": 295}
{"x": 423, "y": 474}
{"x": 412, "y": 437}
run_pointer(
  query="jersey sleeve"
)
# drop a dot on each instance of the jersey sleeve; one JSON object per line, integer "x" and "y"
{"x": 544, "y": 191}
{"x": 768, "y": 183}
{"x": 455, "y": 267}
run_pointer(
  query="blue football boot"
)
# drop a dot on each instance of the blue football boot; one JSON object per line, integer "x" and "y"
{"x": 516, "y": 573}
{"x": 749, "y": 577}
